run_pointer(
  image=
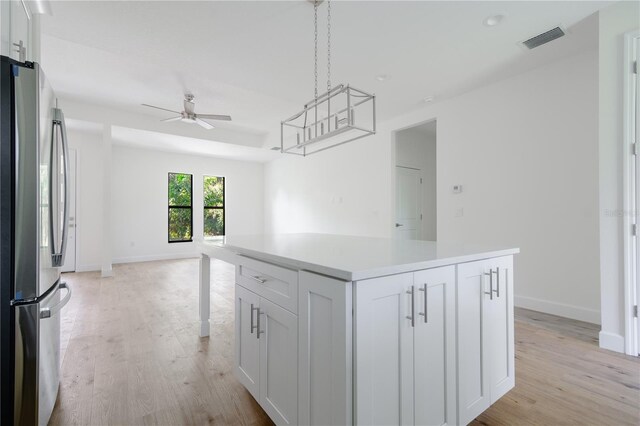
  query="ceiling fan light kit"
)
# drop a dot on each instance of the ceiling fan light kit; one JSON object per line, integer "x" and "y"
{"x": 342, "y": 114}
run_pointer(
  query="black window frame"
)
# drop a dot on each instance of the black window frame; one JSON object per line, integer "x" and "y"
{"x": 190, "y": 207}
{"x": 223, "y": 208}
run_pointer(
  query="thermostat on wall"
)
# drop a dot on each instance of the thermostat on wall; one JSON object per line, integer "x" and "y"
{"x": 457, "y": 189}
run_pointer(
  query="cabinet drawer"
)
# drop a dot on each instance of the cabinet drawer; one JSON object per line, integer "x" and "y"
{"x": 275, "y": 283}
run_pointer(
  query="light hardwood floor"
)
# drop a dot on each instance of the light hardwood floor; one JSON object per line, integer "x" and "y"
{"x": 132, "y": 356}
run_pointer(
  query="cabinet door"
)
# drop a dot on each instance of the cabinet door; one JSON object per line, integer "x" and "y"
{"x": 434, "y": 347}
{"x": 278, "y": 363}
{"x": 247, "y": 356}
{"x": 473, "y": 387}
{"x": 499, "y": 320}
{"x": 384, "y": 351}
{"x": 15, "y": 27}
{"x": 325, "y": 363}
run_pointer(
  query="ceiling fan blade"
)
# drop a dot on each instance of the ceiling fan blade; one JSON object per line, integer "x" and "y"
{"x": 204, "y": 124}
{"x": 164, "y": 109}
{"x": 172, "y": 119}
{"x": 189, "y": 107}
{"x": 215, "y": 117}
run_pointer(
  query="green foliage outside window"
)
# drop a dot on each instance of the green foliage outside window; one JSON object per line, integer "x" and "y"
{"x": 180, "y": 207}
{"x": 213, "y": 206}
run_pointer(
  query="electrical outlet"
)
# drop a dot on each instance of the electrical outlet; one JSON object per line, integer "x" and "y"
{"x": 460, "y": 212}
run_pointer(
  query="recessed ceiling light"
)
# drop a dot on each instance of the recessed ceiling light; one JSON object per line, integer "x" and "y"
{"x": 493, "y": 20}
{"x": 382, "y": 77}
{"x": 428, "y": 99}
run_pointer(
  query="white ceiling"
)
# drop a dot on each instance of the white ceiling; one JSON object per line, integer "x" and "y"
{"x": 254, "y": 60}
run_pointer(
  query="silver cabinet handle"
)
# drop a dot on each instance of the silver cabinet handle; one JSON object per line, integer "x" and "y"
{"x": 253, "y": 327}
{"x": 258, "y": 331}
{"x": 426, "y": 300}
{"x": 490, "y": 292}
{"x": 412, "y": 317}
{"x": 48, "y": 312}
{"x": 258, "y": 279}
{"x": 497, "y": 290}
{"x": 399, "y": 225}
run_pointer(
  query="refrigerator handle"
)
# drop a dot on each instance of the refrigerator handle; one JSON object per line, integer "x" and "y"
{"x": 49, "y": 312}
{"x": 58, "y": 120}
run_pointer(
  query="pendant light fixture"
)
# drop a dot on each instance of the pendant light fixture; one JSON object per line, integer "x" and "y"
{"x": 342, "y": 114}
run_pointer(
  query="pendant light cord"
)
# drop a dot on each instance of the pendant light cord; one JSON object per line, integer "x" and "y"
{"x": 328, "y": 45}
{"x": 315, "y": 50}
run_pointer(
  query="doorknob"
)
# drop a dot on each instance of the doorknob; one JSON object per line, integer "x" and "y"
{"x": 399, "y": 225}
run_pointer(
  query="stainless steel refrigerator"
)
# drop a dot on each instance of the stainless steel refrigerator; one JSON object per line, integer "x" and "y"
{"x": 33, "y": 228}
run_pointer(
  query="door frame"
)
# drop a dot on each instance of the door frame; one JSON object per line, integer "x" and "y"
{"x": 76, "y": 154}
{"x": 630, "y": 198}
{"x": 392, "y": 169}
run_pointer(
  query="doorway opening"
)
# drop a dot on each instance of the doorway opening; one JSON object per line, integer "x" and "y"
{"x": 416, "y": 190}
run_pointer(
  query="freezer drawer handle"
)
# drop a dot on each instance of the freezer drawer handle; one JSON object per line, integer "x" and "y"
{"x": 48, "y": 312}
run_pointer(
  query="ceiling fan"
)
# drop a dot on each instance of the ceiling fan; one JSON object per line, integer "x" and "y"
{"x": 189, "y": 115}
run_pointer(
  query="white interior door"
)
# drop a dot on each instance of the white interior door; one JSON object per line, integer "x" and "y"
{"x": 70, "y": 257}
{"x": 408, "y": 203}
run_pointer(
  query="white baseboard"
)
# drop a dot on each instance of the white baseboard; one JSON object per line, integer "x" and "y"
{"x": 560, "y": 309}
{"x": 150, "y": 258}
{"x": 88, "y": 268}
{"x": 611, "y": 341}
{"x": 133, "y": 259}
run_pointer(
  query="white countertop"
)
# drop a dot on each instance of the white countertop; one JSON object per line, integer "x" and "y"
{"x": 352, "y": 258}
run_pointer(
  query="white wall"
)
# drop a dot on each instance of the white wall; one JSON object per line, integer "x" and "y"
{"x": 140, "y": 200}
{"x": 614, "y": 22}
{"x": 525, "y": 150}
{"x": 89, "y": 202}
{"x": 416, "y": 148}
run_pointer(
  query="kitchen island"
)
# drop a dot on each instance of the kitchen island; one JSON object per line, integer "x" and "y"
{"x": 334, "y": 330}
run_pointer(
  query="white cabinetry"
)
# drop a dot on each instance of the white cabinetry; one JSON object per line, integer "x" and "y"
{"x": 247, "y": 365}
{"x": 485, "y": 334}
{"x": 325, "y": 381}
{"x": 15, "y": 26}
{"x": 424, "y": 347}
{"x": 434, "y": 347}
{"x": 405, "y": 349}
{"x": 266, "y": 357}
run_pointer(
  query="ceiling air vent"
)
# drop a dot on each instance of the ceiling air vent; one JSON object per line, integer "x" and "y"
{"x": 543, "y": 38}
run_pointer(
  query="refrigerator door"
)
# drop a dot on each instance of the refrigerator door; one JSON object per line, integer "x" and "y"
{"x": 27, "y": 184}
{"x": 37, "y": 356}
{"x": 49, "y": 339}
{"x": 52, "y": 187}
{"x": 25, "y": 400}
{"x": 39, "y": 187}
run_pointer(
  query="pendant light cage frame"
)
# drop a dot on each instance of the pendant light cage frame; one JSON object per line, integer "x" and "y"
{"x": 341, "y": 115}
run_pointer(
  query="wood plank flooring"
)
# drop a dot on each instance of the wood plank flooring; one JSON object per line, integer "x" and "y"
{"x": 132, "y": 356}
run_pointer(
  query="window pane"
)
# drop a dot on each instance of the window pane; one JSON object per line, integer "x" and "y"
{"x": 213, "y": 222}
{"x": 213, "y": 191}
{"x": 179, "y": 224}
{"x": 179, "y": 189}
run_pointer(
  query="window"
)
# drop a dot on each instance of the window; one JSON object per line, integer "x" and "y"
{"x": 213, "y": 206}
{"x": 180, "y": 207}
